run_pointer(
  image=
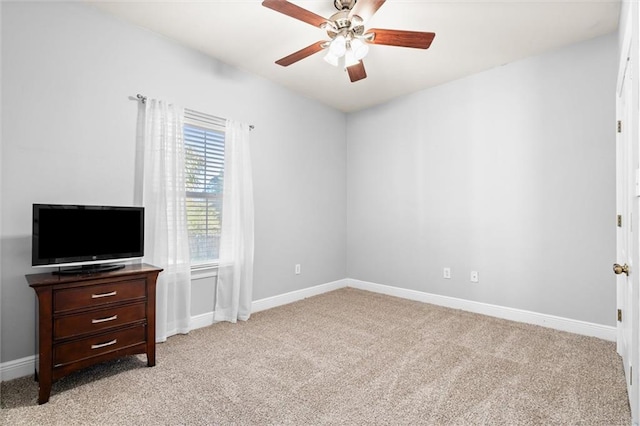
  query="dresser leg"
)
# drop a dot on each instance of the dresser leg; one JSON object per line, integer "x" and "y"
{"x": 151, "y": 356}
{"x": 45, "y": 380}
{"x": 44, "y": 392}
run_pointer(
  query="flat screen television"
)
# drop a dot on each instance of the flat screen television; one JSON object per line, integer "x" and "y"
{"x": 86, "y": 237}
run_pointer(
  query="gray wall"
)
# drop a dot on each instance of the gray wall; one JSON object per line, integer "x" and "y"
{"x": 68, "y": 136}
{"x": 510, "y": 172}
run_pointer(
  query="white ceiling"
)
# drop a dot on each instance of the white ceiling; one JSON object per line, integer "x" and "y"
{"x": 471, "y": 36}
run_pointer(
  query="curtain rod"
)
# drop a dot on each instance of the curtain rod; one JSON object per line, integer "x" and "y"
{"x": 143, "y": 99}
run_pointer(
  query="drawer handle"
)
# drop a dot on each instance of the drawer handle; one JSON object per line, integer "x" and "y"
{"x": 99, "y": 320}
{"x": 97, "y": 296}
{"x": 102, "y": 345}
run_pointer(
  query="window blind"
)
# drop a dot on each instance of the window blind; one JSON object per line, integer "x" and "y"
{"x": 204, "y": 139}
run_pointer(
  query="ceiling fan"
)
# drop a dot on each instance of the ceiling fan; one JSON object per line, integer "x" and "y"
{"x": 350, "y": 41}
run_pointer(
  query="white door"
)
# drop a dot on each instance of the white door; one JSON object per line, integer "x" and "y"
{"x": 626, "y": 196}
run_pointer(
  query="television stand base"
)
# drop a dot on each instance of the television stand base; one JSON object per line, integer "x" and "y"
{"x": 90, "y": 269}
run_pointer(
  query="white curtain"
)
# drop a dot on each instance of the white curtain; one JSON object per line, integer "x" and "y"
{"x": 161, "y": 148}
{"x": 235, "y": 273}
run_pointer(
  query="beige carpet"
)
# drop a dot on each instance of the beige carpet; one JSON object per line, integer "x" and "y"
{"x": 346, "y": 357}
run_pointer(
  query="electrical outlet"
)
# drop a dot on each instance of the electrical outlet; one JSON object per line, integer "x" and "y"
{"x": 298, "y": 269}
{"x": 447, "y": 273}
{"x": 474, "y": 277}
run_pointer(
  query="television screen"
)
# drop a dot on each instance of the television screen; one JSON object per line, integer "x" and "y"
{"x": 77, "y": 234}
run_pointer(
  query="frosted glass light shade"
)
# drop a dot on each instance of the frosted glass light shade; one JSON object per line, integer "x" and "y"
{"x": 350, "y": 59}
{"x": 338, "y": 46}
{"x": 360, "y": 48}
{"x": 331, "y": 58}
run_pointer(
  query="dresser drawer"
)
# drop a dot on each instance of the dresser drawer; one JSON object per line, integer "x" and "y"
{"x": 94, "y": 321}
{"x": 98, "y": 345}
{"x": 96, "y": 295}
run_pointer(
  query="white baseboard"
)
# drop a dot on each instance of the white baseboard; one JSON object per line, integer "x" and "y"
{"x": 206, "y": 319}
{"x": 294, "y": 296}
{"x": 202, "y": 320}
{"x": 25, "y": 366}
{"x": 17, "y": 368}
{"x": 550, "y": 321}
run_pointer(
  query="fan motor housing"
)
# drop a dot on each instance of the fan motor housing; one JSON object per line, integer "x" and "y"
{"x": 342, "y": 22}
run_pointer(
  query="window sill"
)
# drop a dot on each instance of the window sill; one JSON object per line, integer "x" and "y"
{"x": 204, "y": 271}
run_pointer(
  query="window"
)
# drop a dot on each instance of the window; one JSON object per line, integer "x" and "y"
{"x": 204, "y": 137}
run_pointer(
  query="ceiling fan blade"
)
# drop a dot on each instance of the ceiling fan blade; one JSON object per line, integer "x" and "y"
{"x": 366, "y": 8}
{"x": 294, "y": 11}
{"x": 301, "y": 54}
{"x": 357, "y": 72}
{"x": 418, "y": 40}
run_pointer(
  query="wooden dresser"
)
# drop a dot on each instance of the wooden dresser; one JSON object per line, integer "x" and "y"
{"x": 87, "y": 319}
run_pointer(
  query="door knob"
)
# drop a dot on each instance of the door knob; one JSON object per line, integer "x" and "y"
{"x": 624, "y": 269}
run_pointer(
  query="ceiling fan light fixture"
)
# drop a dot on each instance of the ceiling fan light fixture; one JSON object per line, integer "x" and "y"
{"x": 332, "y": 59}
{"x": 359, "y": 48}
{"x": 338, "y": 46}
